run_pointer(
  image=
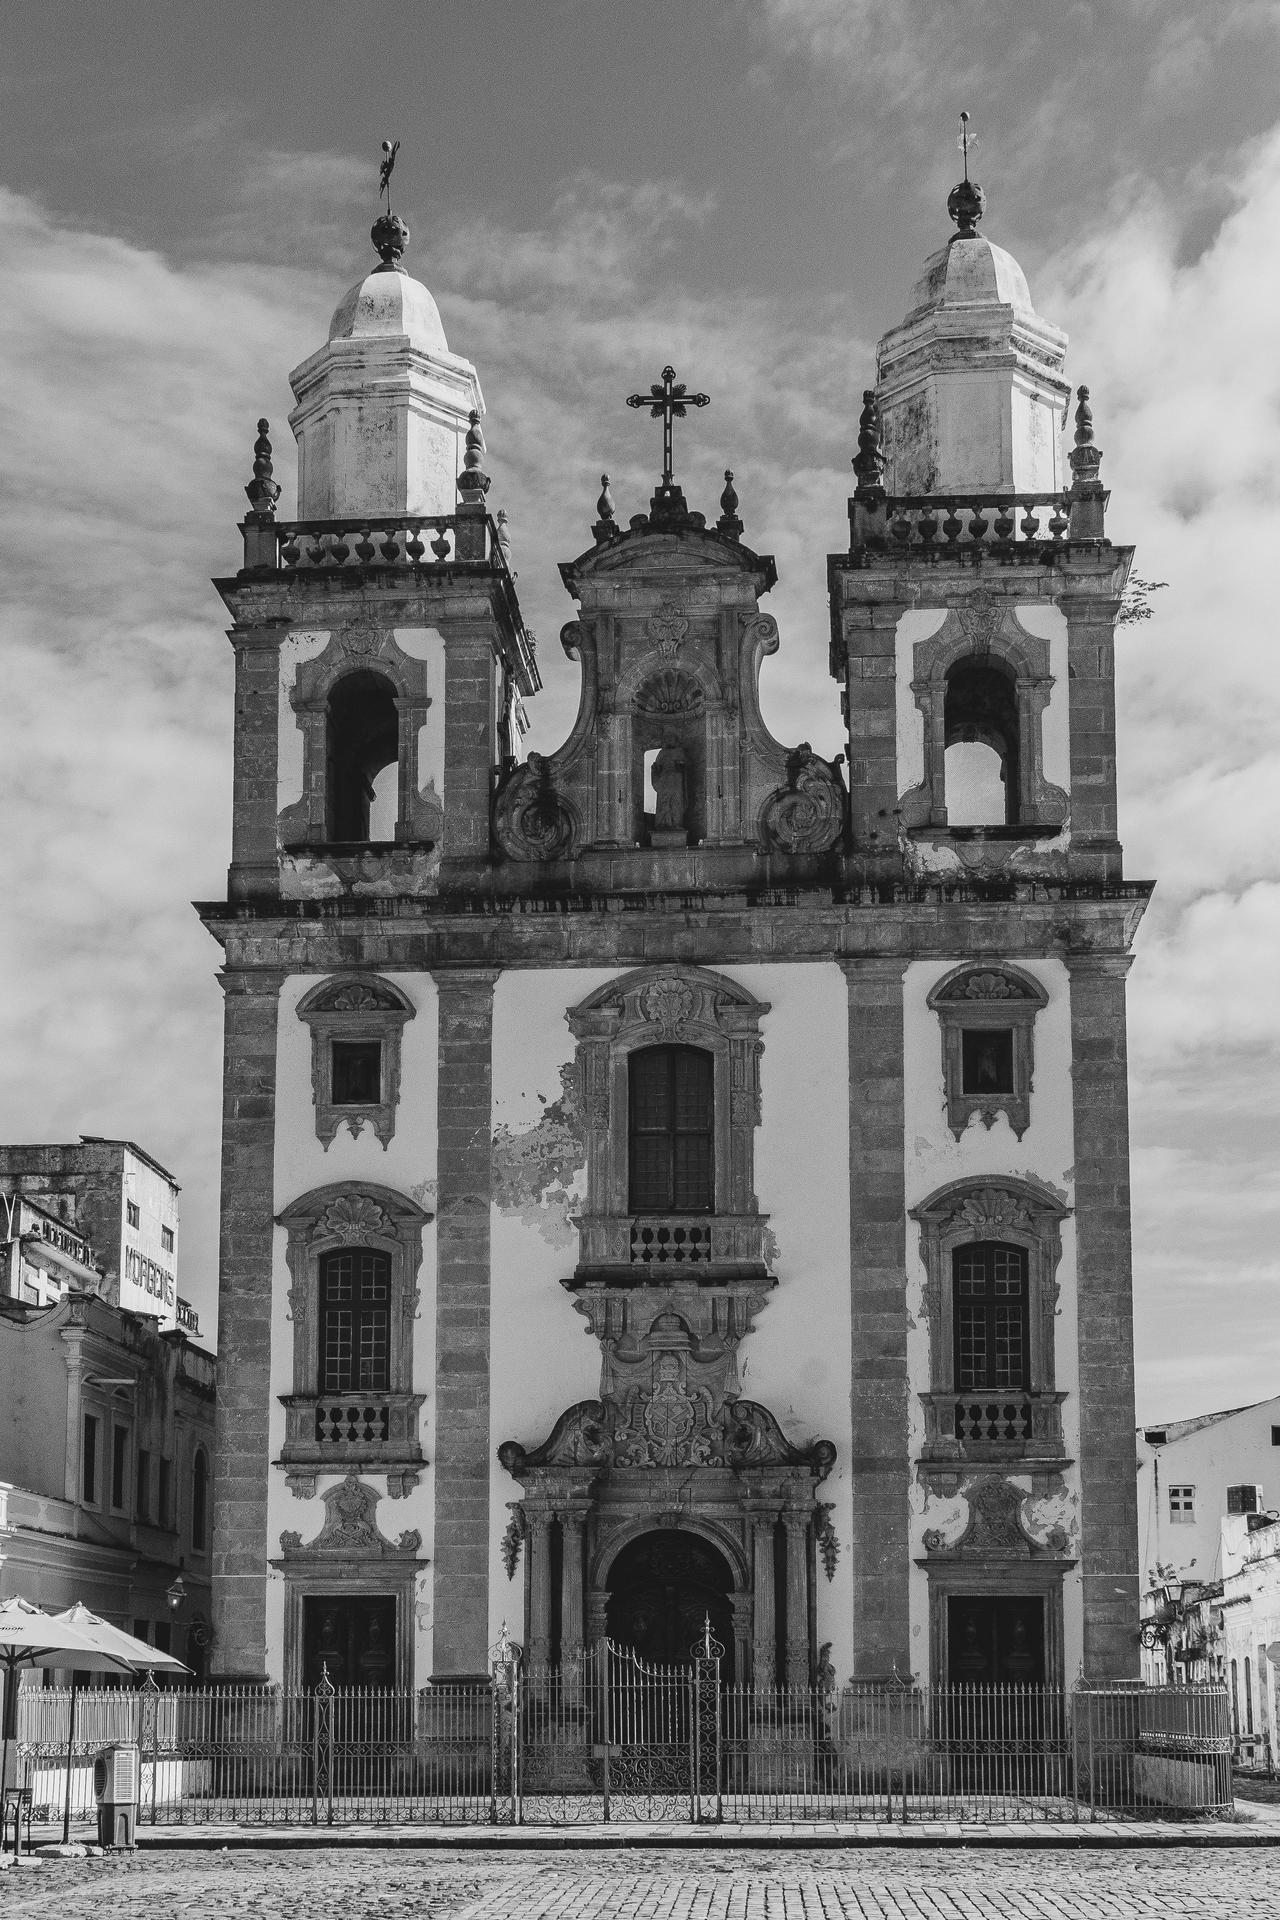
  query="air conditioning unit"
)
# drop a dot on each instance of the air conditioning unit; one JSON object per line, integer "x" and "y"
{"x": 1244, "y": 1499}
{"x": 116, "y": 1774}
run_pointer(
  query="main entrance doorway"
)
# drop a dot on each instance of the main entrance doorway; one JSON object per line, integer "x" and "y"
{"x": 662, "y": 1589}
{"x": 352, "y": 1637}
{"x": 995, "y": 1640}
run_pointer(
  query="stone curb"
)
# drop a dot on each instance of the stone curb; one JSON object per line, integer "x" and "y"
{"x": 710, "y": 1839}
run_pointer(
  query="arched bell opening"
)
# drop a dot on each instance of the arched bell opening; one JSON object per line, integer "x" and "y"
{"x": 669, "y": 762}
{"x": 362, "y": 740}
{"x": 981, "y": 731}
{"x": 662, "y": 1590}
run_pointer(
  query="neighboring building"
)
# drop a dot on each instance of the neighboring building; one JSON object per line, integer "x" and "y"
{"x": 106, "y": 1440}
{"x": 806, "y": 1094}
{"x": 40, "y": 1255}
{"x": 1191, "y": 1474}
{"x": 120, "y": 1200}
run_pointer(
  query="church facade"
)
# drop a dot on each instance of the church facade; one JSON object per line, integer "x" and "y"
{"x": 677, "y": 1175}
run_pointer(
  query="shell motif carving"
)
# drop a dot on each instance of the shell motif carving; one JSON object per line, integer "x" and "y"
{"x": 531, "y": 821}
{"x": 990, "y": 1208}
{"x": 350, "y": 1218}
{"x": 986, "y": 986}
{"x": 807, "y": 815}
{"x": 670, "y": 692}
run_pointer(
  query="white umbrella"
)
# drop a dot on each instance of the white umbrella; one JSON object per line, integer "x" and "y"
{"x": 112, "y": 1643}
{"x": 30, "y": 1638}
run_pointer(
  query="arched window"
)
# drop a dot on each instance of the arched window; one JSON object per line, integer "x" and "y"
{"x": 980, "y": 720}
{"x": 990, "y": 1318}
{"x": 362, "y": 738}
{"x": 671, "y": 1130}
{"x": 355, "y": 1321}
{"x": 200, "y": 1500}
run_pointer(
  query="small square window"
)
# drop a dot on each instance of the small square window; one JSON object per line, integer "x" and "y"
{"x": 1275, "y": 1436}
{"x": 987, "y": 1060}
{"x": 357, "y": 1073}
{"x": 133, "y": 1213}
{"x": 166, "y": 1239}
{"x": 1182, "y": 1505}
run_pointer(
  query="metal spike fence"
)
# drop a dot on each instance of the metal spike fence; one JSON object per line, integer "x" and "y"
{"x": 609, "y": 1739}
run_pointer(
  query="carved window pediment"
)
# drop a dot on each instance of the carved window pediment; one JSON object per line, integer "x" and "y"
{"x": 986, "y": 1014}
{"x": 349, "y": 1016}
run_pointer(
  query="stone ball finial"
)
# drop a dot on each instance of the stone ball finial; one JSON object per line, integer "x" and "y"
{"x": 390, "y": 237}
{"x": 604, "y": 505}
{"x": 473, "y": 481}
{"x": 868, "y": 461}
{"x": 729, "y": 522}
{"x": 966, "y": 203}
{"x": 1084, "y": 418}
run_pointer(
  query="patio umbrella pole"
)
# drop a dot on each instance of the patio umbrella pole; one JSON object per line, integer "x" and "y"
{"x": 71, "y": 1741}
{"x": 10, "y": 1723}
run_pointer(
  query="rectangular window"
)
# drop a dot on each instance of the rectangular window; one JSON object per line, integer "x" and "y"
{"x": 142, "y": 1630}
{"x": 1182, "y": 1505}
{"x": 166, "y": 1239}
{"x": 355, "y": 1322}
{"x": 133, "y": 1213}
{"x": 163, "y": 1507}
{"x": 163, "y": 1634}
{"x": 119, "y": 1465}
{"x": 144, "y": 1484}
{"x": 990, "y": 1311}
{"x": 986, "y": 1060}
{"x": 672, "y": 1130}
{"x": 1275, "y": 1436}
{"x": 357, "y": 1073}
{"x": 89, "y": 1460}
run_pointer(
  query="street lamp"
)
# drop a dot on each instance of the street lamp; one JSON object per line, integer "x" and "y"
{"x": 176, "y": 1594}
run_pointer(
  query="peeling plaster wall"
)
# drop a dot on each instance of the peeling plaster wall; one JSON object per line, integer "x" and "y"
{"x": 912, "y": 629}
{"x": 1044, "y": 1156}
{"x": 295, "y": 648}
{"x": 1050, "y": 623}
{"x": 407, "y": 1165}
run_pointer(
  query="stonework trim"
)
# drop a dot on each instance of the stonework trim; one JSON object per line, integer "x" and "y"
{"x": 650, "y": 1007}
{"x": 879, "y": 1461}
{"x": 1025, "y": 1577}
{"x": 985, "y": 997}
{"x": 995, "y": 1207}
{"x": 356, "y": 1006}
{"x": 351, "y": 1213}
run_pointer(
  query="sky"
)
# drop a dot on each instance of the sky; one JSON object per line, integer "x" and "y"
{"x": 747, "y": 188}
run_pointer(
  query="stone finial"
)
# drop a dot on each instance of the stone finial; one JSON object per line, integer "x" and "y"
{"x": 503, "y": 526}
{"x": 473, "y": 481}
{"x": 966, "y": 203}
{"x": 1087, "y": 497}
{"x": 729, "y": 522}
{"x": 606, "y": 524}
{"x": 262, "y": 490}
{"x": 868, "y": 461}
{"x": 390, "y": 237}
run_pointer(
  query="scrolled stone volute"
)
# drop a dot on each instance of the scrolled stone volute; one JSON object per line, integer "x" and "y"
{"x": 531, "y": 821}
{"x": 808, "y": 814}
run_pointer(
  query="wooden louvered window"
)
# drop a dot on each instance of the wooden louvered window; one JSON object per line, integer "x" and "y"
{"x": 991, "y": 1317}
{"x": 355, "y": 1321}
{"x": 672, "y": 1128}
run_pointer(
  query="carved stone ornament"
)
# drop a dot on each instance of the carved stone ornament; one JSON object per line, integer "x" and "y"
{"x": 991, "y": 1209}
{"x": 351, "y": 1529}
{"x": 362, "y": 641}
{"x": 671, "y": 1425}
{"x": 671, "y": 692}
{"x": 980, "y": 619}
{"x": 351, "y": 1218}
{"x": 668, "y": 1002}
{"x": 346, "y": 1009}
{"x": 667, "y": 627}
{"x": 985, "y": 986}
{"x": 531, "y": 821}
{"x": 807, "y": 815}
{"x": 995, "y": 1528}
{"x": 355, "y": 997}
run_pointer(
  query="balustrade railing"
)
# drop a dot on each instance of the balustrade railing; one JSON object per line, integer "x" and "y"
{"x": 352, "y": 1420}
{"x": 991, "y": 520}
{"x": 401, "y": 540}
{"x": 995, "y": 1417}
{"x": 676, "y": 1241}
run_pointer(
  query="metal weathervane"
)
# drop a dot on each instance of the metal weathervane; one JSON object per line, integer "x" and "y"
{"x": 966, "y": 140}
{"x": 390, "y": 148}
{"x": 668, "y": 402}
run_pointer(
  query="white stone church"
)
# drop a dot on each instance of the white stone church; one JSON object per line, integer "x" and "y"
{"x": 678, "y": 1176}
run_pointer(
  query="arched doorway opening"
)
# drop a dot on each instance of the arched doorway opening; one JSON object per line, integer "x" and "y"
{"x": 662, "y": 1588}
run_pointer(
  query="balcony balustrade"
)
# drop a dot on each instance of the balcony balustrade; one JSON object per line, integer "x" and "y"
{"x": 1013, "y": 1423}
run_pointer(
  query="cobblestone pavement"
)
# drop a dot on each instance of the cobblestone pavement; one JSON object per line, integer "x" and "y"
{"x": 633, "y": 1884}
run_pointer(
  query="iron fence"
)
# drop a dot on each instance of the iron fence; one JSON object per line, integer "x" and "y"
{"x": 610, "y": 1739}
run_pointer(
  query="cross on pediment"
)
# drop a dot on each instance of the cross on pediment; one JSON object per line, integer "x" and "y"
{"x": 668, "y": 402}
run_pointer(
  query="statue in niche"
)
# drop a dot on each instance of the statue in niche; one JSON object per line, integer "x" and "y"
{"x": 669, "y": 787}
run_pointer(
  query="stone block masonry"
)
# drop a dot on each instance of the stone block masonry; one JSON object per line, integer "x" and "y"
{"x": 880, "y": 1465}
{"x": 463, "y": 1451}
{"x": 1104, "y": 1285}
{"x": 242, "y": 1450}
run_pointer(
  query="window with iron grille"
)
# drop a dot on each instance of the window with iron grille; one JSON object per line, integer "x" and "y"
{"x": 990, "y": 1307}
{"x": 1182, "y": 1504}
{"x": 672, "y": 1130}
{"x": 355, "y": 1320}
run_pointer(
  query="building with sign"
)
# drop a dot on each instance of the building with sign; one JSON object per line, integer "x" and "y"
{"x": 120, "y": 1199}
{"x": 679, "y": 1175}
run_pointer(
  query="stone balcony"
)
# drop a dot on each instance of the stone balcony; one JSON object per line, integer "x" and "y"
{"x": 372, "y": 1431}
{"x": 650, "y": 1249}
{"x": 1001, "y": 1426}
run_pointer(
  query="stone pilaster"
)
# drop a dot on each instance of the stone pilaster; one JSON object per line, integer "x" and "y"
{"x": 469, "y": 737}
{"x": 880, "y": 1463}
{"x": 241, "y": 1446}
{"x": 1094, "y": 851}
{"x": 255, "y": 799}
{"x": 796, "y": 1526}
{"x": 463, "y": 1449}
{"x": 1104, "y": 1292}
{"x": 764, "y": 1618}
{"x": 870, "y": 641}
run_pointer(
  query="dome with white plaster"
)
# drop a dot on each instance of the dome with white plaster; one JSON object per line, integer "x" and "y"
{"x": 389, "y": 303}
{"x": 970, "y": 271}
